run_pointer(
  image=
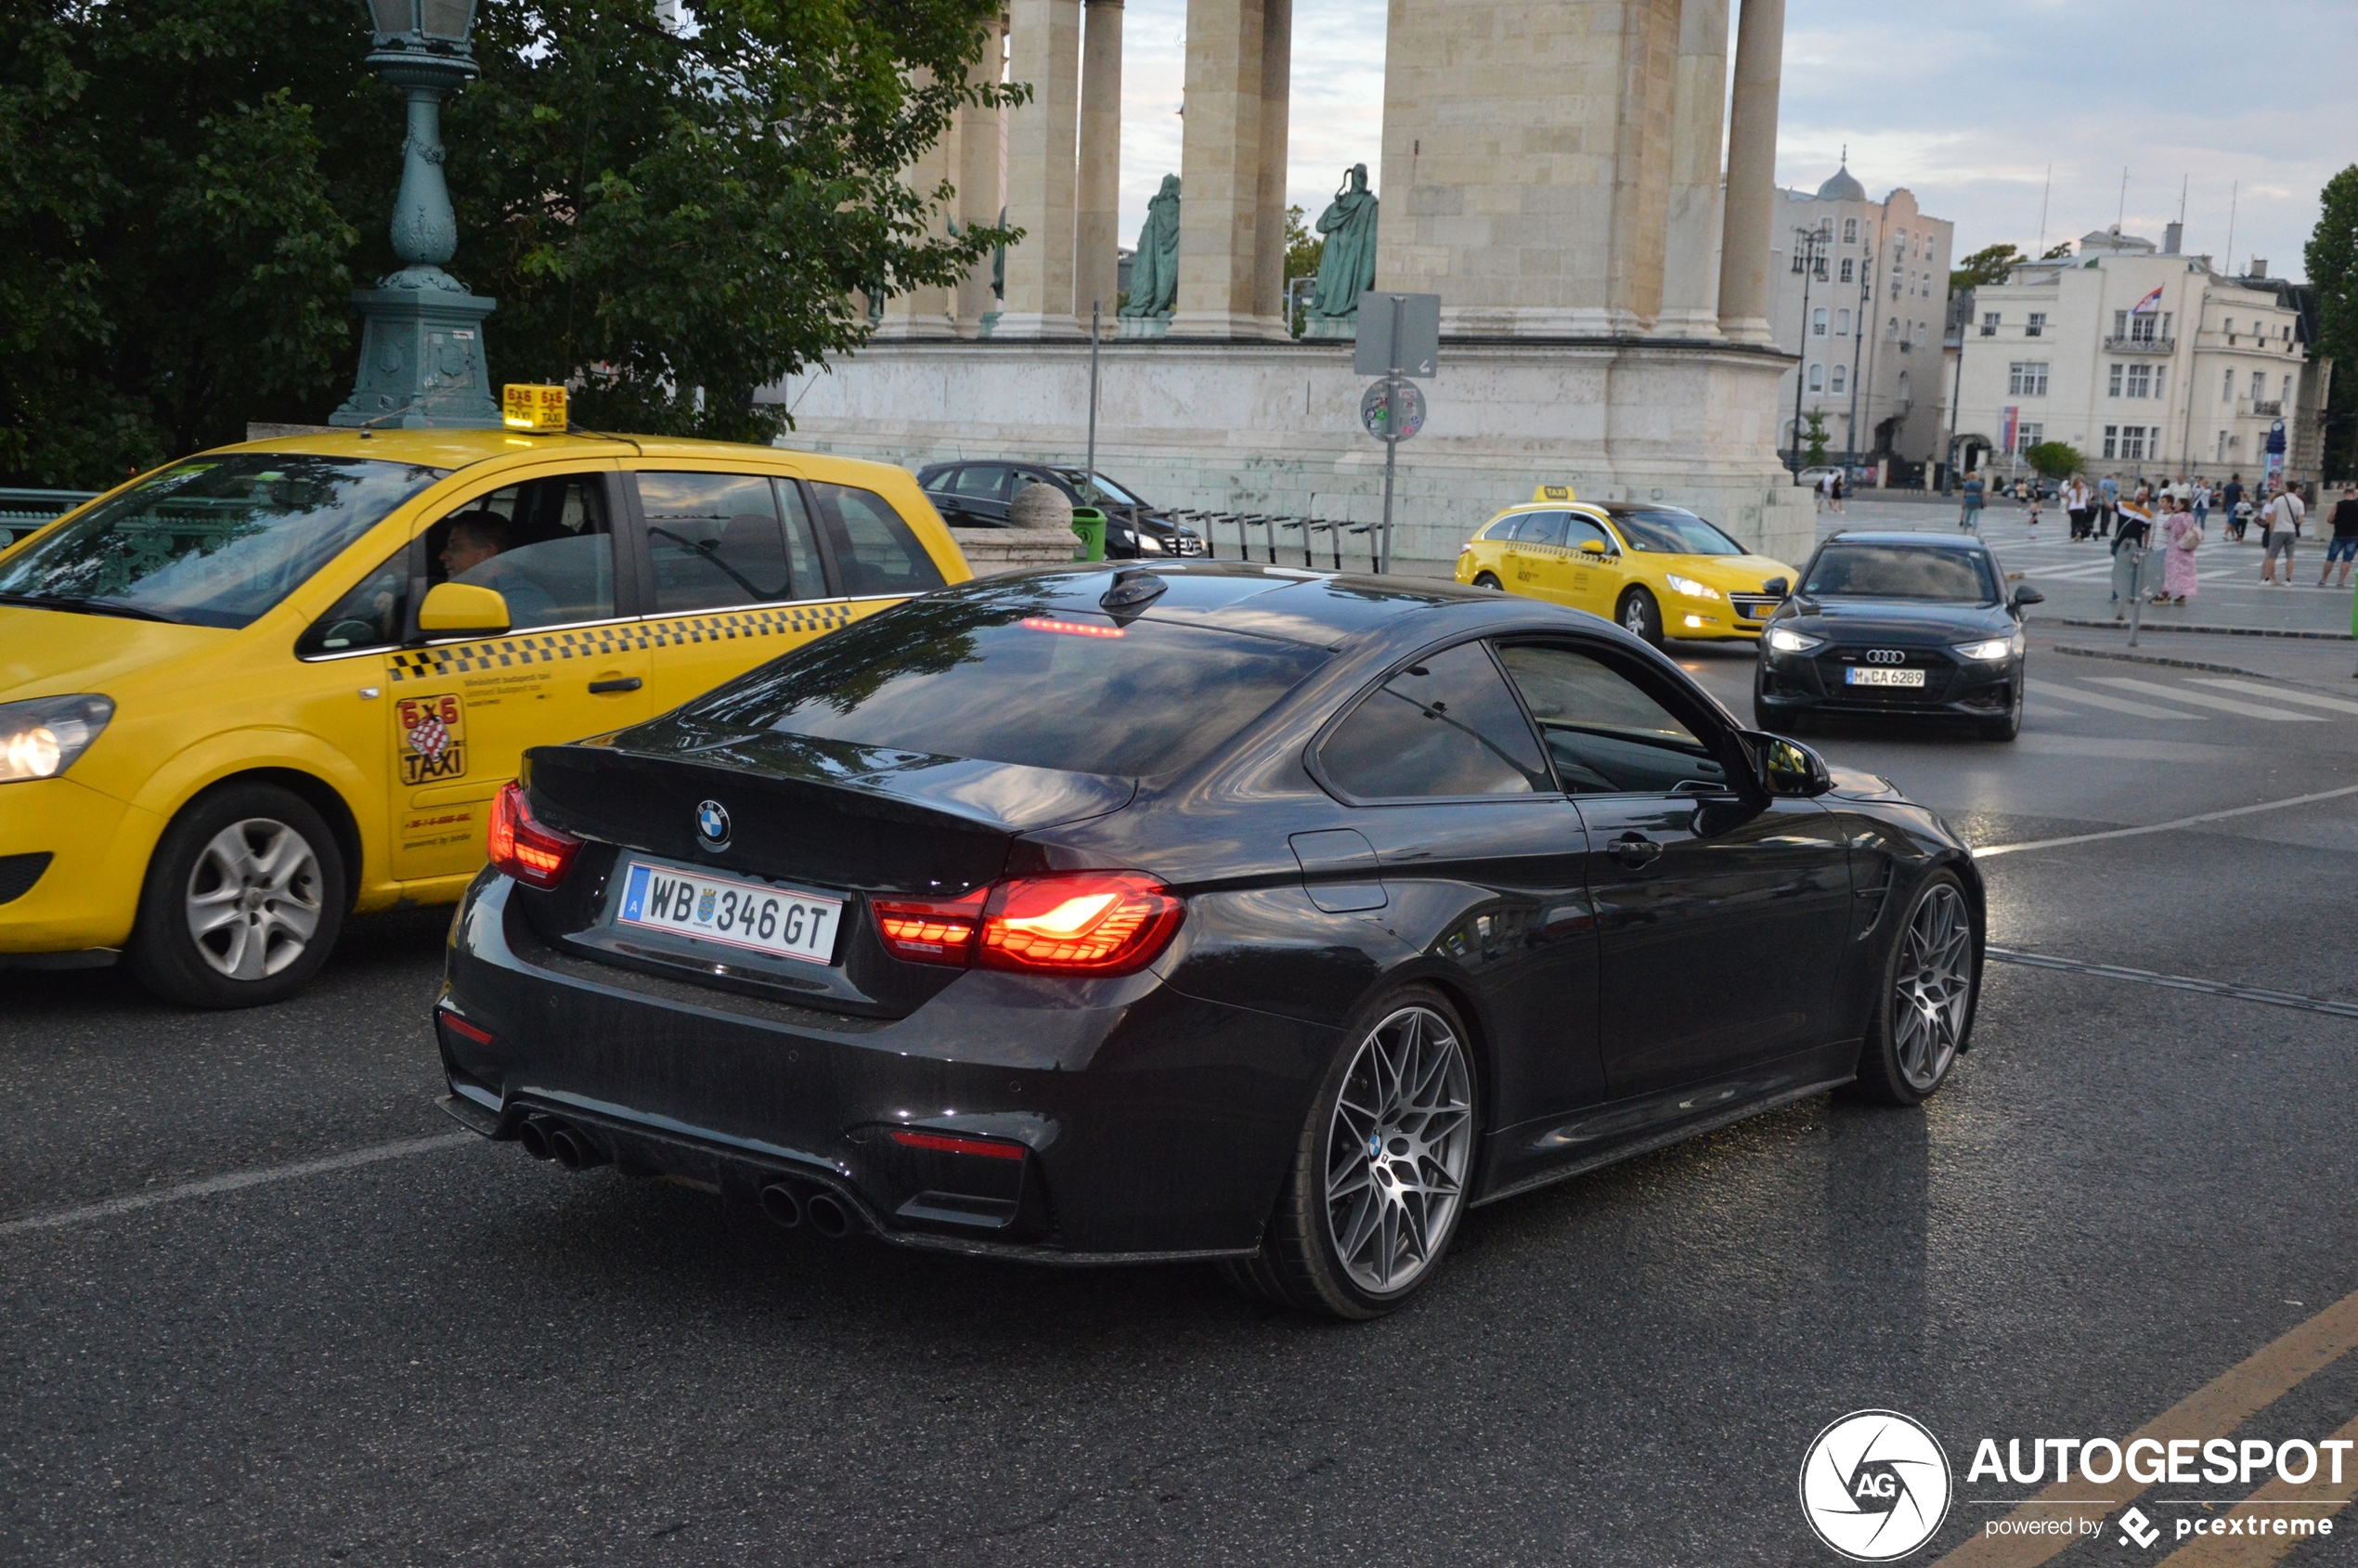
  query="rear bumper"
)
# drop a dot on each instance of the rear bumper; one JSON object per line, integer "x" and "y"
{"x": 1151, "y": 1125}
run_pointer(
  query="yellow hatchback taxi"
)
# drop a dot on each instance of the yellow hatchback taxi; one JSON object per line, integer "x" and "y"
{"x": 275, "y": 682}
{"x": 1661, "y": 571}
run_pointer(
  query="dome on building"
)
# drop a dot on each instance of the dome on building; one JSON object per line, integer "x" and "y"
{"x": 1842, "y": 186}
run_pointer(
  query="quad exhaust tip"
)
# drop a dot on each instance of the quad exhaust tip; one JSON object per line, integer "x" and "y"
{"x": 544, "y": 1137}
{"x": 783, "y": 1205}
{"x": 533, "y": 1137}
{"x": 827, "y": 1215}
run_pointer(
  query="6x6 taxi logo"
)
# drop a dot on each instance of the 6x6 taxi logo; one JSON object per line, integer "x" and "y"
{"x": 1876, "y": 1486}
{"x": 434, "y": 738}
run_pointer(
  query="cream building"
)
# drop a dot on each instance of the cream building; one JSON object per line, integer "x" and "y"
{"x": 1864, "y": 323}
{"x": 2150, "y": 362}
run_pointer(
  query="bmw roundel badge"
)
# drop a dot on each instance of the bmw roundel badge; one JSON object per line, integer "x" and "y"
{"x": 712, "y": 825}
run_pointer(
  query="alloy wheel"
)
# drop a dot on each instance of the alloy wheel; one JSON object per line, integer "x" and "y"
{"x": 1398, "y": 1150}
{"x": 253, "y": 898}
{"x": 1935, "y": 987}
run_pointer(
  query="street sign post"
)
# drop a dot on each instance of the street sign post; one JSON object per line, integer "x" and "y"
{"x": 1399, "y": 337}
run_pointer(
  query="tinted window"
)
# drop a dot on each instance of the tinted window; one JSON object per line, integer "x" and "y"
{"x": 1106, "y": 489}
{"x": 1541, "y": 527}
{"x": 1445, "y": 727}
{"x": 217, "y": 541}
{"x": 1666, "y": 530}
{"x": 876, "y": 552}
{"x": 1003, "y": 675}
{"x": 546, "y": 546}
{"x": 1604, "y": 734}
{"x": 982, "y": 481}
{"x": 715, "y": 541}
{"x": 1893, "y": 571}
{"x": 373, "y": 615}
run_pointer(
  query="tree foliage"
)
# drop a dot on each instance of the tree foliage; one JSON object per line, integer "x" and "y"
{"x": 2331, "y": 261}
{"x": 190, "y": 190}
{"x": 1989, "y": 264}
{"x": 1814, "y": 436}
{"x": 2054, "y": 459}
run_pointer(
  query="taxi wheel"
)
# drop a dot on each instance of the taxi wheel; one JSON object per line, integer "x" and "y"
{"x": 1489, "y": 580}
{"x": 244, "y": 898}
{"x": 1641, "y": 616}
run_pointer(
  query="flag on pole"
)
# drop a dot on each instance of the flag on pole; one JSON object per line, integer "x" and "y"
{"x": 2145, "y": 306}
{"x": 2007, "y": 439}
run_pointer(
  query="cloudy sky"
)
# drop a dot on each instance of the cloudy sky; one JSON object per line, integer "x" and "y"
{"x": 1965, "y": 104}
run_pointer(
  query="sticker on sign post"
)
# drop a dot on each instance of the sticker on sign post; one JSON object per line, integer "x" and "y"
{"x": 1381, "y": 419}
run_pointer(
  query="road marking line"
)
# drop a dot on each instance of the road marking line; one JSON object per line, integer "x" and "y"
{"x": 2213, "y": 1410}
{"x": 2177, "y": 983}
{"x": 57, "y": 1219}
{"x": 2105, "y": 700}
{"x": 2040, "y": 710}
{"x": 2256, "y": 1551}
{"x": 2201, "y": 699}
{"x": 2338, "y": 705}
{"x": 1990, "y": 850}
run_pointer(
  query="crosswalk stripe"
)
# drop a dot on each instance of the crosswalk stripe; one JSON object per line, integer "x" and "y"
{"x": 2100, "y": 699}
{"x": 2225, "y": 705}
{"x": 2338, "y": 705}
{"x": 2040, "y": 710}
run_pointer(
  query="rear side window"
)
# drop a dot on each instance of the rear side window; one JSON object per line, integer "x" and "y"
{"x": 546, "y": 546}
{"x": 1002, "y": 675}
{"x": 876, "y": 552}
{"x": 719, "y": 540}
{"x": 1446, "y": 726}
{"x": 1542, "y": 528}
{"x": 982, "y": 481}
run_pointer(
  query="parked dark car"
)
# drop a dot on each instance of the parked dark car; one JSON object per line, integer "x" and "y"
{"x": 1897, "y": 624}
{"x": 977, "y": 495}
{"x": 1212, "y": 912}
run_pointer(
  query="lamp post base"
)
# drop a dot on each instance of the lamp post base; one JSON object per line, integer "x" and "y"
{"x": 421, "y": 361}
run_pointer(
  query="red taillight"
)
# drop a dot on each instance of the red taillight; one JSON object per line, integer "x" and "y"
{"x": 1080, "y": 922}
{"x": 459, "y": 1027}
{"x": 948, "y": 1142}
{"x": 533, "y": 854}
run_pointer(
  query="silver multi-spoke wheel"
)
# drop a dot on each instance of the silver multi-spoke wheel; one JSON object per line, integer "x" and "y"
{"x": 253, "y": 898}
{"x": 1933, "y": 991}
{"x": 1398, "y": 1150}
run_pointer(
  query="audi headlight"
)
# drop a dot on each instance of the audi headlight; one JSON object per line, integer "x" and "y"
{"x": 41, "y": 738}
{"x": 1689, "y": 587}
{"x": 1995, "y": 648}
{"x": 1148, "y": 544}
{"x": 1782, "y": 639}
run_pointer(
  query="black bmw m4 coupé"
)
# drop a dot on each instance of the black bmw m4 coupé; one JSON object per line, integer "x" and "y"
{"x": 1195, "y": 910}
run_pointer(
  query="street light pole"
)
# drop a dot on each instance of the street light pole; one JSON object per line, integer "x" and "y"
{"x": 1808, "y": 259}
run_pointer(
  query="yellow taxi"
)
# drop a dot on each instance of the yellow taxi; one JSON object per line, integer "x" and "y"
{"x": 1661, "y": 571}
{"x": 275, "y": 682}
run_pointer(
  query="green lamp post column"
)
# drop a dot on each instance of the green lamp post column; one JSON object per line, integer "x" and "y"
{"x": 421, "y": 359}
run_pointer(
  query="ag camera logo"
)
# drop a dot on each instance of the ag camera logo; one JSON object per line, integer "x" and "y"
{"x": 1876, "y": 1486}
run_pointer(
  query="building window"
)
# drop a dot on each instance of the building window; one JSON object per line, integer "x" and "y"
{"x": 2026, "y": 378}
{"x": 2112, "y": 381}
{"x": 1818, "y": 322}
{"x": 2222, "y": 447}
{"x": 2161, "y": 373}
{"x": 1989, "y": 324}
{"x": 2227, "y": 392}
{"x": 1841, "y": 381}
{"x": 1842, "y": 323}
{"x": 1849, "y": 234}
{"x": 2230, "y": 329}
{"x": 2141, "y": 382}
{"x": 2038, "y": 327}
{"x": 2120, "y": 323}
{"x": 2258, "y": 386}
{"x": 2029, "y": 436}
{"x": 1891, "y": 330}
{"x": 1816, "y": 377}
{"x": 2287, "y": 389}
{"x": 1848, "y": 275}
{"x": 2112, "y": 442}
{"x": 2132, "y": 442}
{"x": 2142, "y": 327}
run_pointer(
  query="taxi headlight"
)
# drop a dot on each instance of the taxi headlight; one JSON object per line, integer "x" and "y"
{"x": 1689, "y": 587}
{"x": 41, "y": 738}
{"x": 1783, "y": 640}
{"x": 1995, "y": 648}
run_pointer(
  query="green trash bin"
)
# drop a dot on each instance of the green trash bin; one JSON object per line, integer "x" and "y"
{"x": 1089, "y": 527}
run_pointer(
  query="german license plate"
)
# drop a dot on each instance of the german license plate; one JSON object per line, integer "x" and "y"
{"x": 736, "y": 914}
{"x": 1860, "y": 676}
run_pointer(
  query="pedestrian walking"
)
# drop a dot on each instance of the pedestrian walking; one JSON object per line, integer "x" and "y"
{"x": 2079, "y": 503}
{"x": 2231, "y": 496}
{"x": 2033, "y": 503}
{"x": 1839, "y": 482}
{"x": 2184, "y": 535}
{"x": 2280, "y": 525}
{"x": 2129, "y": 557}
{"x": 2107, "y": 505}
{"x": 2343, "y": 548}
{"x": 2202, "y": 503}
{"x": 1969, "y": 520}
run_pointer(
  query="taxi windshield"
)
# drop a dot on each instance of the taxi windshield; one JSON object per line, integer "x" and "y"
{"x": 1666, "y": 530}
{"x": 212, "y": 541}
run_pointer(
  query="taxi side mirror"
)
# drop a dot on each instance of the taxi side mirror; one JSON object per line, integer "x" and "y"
{"x": 1592, "y": 547}
{"x": 462, "y": 610}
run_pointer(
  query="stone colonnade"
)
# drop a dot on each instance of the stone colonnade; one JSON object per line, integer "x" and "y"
{"x": 1551, "y": 172}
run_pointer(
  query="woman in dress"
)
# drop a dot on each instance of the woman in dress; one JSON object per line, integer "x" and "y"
{"x": 2183, "y": 535}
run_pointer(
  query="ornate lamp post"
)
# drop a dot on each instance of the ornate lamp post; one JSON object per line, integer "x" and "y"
{"x": 422, "y": 362}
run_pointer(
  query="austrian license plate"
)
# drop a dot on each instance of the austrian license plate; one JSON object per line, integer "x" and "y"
{"x": 1860, "y": 676}
{"x": 722, "y": 909}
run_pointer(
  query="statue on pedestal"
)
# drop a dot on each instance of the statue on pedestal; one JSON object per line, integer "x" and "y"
{"x": 1154, "y": 271}
{"x": 1347, "y": 267}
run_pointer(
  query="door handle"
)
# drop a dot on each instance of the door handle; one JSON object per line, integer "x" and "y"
{"x": 1634, "y": 850}
{"x": 628, "y": 683}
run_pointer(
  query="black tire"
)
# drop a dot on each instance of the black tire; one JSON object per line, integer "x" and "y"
{"x": 1890, "y": 1069}
{"x": 292, "y": 876}
{"x": 1489, "y": 580}
{"x": 2004, "y": 729}
{"x": 1640, "y": 615}
{"x": 1301, "y": 1264}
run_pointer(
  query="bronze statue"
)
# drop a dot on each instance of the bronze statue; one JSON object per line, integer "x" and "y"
{"x": 1154, "y": 270}
{"x": 1347, "y": 269}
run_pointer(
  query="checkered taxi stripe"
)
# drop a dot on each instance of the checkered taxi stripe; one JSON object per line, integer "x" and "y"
{"x": 589, "y": 643}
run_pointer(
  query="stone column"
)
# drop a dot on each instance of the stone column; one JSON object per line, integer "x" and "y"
{"x": 930, "y": 311}
{"x": 1269, "y": 218}
{"x": 1042, "y": 175}
{"x": 1690, "y": 259}
{"x": 1220, "y": 173}
{"x": 982, "y": 148}
{"x": 1098, "y": 234}
{"x": 1752, "y": 173}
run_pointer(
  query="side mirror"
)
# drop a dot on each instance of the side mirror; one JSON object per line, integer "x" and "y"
{"x": 1592, "y": 547}
{"x": 1788, "y": 768}
{"x": 2026, "y": 594}
{"x": 462, "y": 610}
{"x": 1778, "y": 586}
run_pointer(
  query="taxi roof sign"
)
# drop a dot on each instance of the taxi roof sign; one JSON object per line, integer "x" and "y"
{"x": 526, "y": 407}
{"x": 1553, "y": 493}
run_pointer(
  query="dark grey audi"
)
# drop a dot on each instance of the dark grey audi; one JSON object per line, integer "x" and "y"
{"x": 1202, "y": 910}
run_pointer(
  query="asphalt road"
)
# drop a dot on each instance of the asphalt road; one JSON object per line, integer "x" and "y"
{"x": 450, "y": 1353}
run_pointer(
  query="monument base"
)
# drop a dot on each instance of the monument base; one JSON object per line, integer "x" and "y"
{"x": 1142, "y": 326}
{"x": 1344, "y": 328}
{"x": 1273, "y": 427}
{"x": 421, "y": 365}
